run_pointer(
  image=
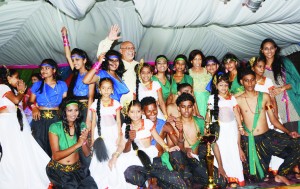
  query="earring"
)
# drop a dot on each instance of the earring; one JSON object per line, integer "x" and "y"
{"x": 155, "y": 70}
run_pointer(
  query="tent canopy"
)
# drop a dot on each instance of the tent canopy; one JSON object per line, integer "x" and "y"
{"x": 30, "y": 30}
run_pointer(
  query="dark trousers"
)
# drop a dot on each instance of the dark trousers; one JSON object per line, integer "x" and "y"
{"x": 273, "y": 143}
{"x": 79, "y": 178}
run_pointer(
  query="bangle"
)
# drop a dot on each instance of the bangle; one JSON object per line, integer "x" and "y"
{"x": 96, "y": 66}
{"x": 116, "y": 154}
{"x": 166, "y": 147}
{"x": 166, "y": 117}
{"x": 21, "y": 92}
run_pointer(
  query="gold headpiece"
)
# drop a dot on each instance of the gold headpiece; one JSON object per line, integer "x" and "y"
{"x": 252, "y": 60}
{"x": 141, "y": 64}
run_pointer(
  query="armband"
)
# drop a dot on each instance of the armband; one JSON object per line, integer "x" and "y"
{"x": 269, "y": 107}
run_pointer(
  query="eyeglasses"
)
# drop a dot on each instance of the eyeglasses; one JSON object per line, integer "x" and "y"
{"x": 129, "y": 48}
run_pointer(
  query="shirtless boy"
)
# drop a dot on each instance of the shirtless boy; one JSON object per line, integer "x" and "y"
{"x": 261, "y": 140}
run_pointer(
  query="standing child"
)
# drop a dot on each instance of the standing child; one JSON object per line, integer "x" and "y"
{"x": 161, "y": 67}
{"x": 45, "y": 99}
{"x": 200, "y": 80}
{"x": 211, "y": 64}
{"x": 106, "y": 126}
{"x": 147, "y": 87}
{"x": 225, "y": 111}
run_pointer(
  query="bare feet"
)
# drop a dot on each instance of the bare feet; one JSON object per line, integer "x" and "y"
{"x": 283, "y": 179}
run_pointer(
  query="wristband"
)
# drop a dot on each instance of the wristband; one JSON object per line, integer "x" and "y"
{"x": 65, "y": 40}
{"x": 96, "y": 66}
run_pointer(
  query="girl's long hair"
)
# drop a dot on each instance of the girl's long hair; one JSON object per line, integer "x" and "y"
{"x": 77, "y": 124}
{"x": 52, "y": 63}
{"x": 121, "y": 69}
{"x": 4, "y": 74}
{"x": 217, "y": 78}
{"x": 277, "y": 65}
{"x": 99, "y": 144}
{"x": 138, "y": 70}
{"x": 87, "y": 66}
{"x": 144, "y": 158}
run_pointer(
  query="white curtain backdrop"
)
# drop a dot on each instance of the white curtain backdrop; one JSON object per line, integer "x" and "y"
{"x": 30, "y": 30}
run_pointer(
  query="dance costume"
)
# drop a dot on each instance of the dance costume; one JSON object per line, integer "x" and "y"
{"x": 68, "y": 176}
{"x": 136, "y": 174}
{"x": 104, "y": 177}
{"x": 186, "y": 79}
{"x": 265, "y": 145}
{"x": 228, "y": 139}
{"x": 120, "y": 87}
{"x": 264, "y": 85}
{"x": 152, "y": 91}
{"x": 198, "y": 167}
{"x": 236, "y": 87}
{"x": 166, "y": 88}
{"x": 23, "y": 161}
{"x": 159, "y": 125}
{"x": 50, "y": 98}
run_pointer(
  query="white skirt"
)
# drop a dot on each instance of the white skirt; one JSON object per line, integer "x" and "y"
{"x": 229, "y": 151}
{"x": 24, "y": 161}
{"x": 103, "y": 176}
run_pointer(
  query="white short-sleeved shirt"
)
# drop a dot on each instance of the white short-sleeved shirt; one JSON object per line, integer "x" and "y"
{"x": 264, "y": 85}
{"x": 152, "y": 91}
{"x": 226, "y": 106}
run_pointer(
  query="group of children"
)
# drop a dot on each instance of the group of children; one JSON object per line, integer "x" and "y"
{"x": 97, "y": 138}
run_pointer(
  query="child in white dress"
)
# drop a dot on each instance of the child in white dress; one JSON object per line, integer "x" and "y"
{"x": 106, "y": 129}
{"x": 225, "y": 110}
{"x": 23, "y": 161}
{"x": 147, "y": 87}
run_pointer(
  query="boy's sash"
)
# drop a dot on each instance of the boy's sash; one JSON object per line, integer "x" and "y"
{"x": 253, "y": 157}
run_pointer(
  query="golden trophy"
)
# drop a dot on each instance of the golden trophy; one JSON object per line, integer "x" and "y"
{"x": 211, "y": 135}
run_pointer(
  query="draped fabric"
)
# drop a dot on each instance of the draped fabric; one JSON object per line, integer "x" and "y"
{"x": 30, "y": 30}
